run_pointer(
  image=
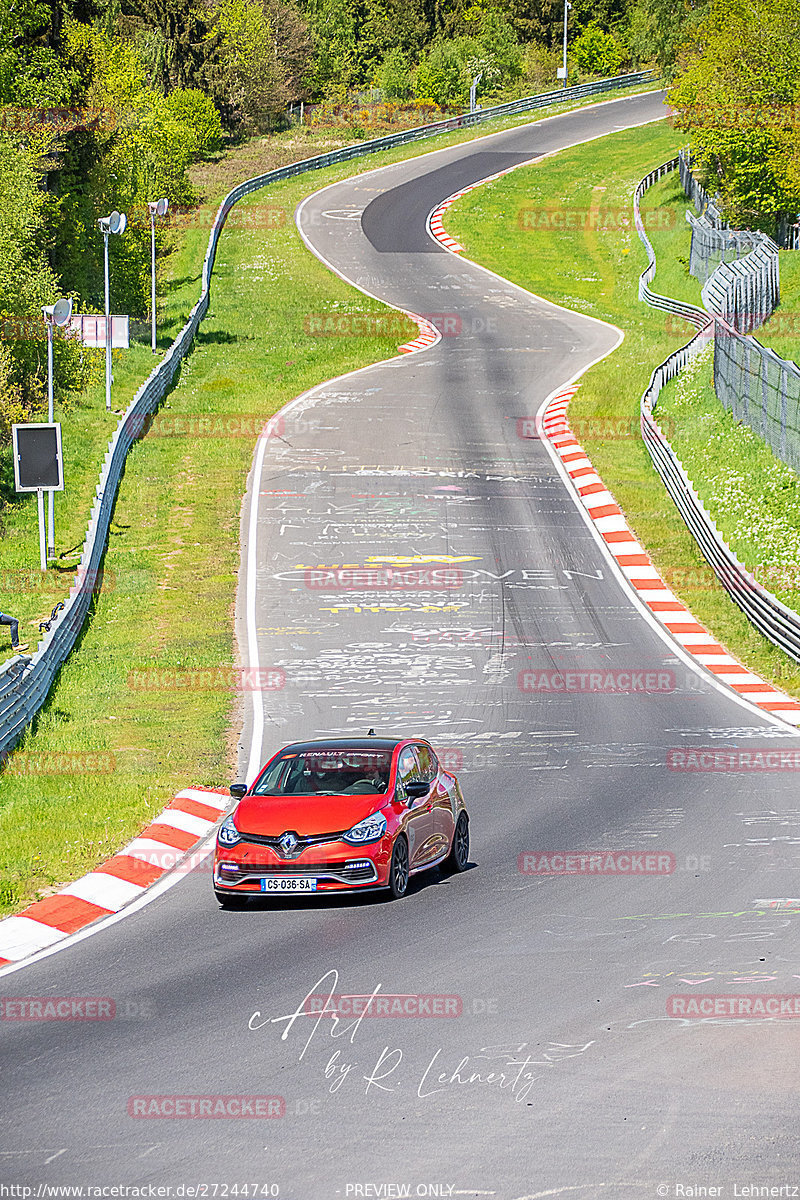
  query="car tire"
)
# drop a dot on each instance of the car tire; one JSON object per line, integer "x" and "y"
{"x": 399, "y": 869}
{"x": 458, "y": 858}
{"x": 230, "y": 901}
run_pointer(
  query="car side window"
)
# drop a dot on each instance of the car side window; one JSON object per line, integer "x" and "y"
{"x": 408, "y": 766}
{"x": 427, "y": 763}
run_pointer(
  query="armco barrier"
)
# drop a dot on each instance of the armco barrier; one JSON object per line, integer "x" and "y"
{"x": 689, "y": 312}
{"x": 25, "y": 683}
{"x": 772, "y": 618}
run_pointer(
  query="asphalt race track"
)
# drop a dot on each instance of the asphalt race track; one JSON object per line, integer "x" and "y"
{"x": 556, "y": 1069}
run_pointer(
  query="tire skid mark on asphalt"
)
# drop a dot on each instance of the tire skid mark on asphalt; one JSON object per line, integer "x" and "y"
{"x": 166, "y": 843}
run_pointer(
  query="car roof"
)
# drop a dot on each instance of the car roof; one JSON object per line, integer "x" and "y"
{"x": 346, "y": 743}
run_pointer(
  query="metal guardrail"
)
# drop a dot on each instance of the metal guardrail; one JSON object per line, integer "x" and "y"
{"x": 689, "y": 312}
{"x": 788, "y": 233}
{"x": 697, "y": 193}
{"x": 772, "y": 618}
{"x": 25, "y": 682}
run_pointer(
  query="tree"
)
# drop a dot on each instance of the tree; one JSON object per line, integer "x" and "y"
{"x": 31, "y": 72}
{"x": 333, "y": 26}
{"x": 181, "y": 37}
{"x": 737, "y": 95}
{"x": 26, "y": 283}
{"x": 597, "y": 52}
{"x": 293, "y": 45}
{"x": 394, "y": 28}
{"x": 248, "y": 77}
{"x": 537, "y": 20}
{"x": 490, "y": 50}
{"x": 442, "y": 74}
{"x": 393, "y": 76}
{"x": 141, "y": 151}
{"x": 659, "y": 30}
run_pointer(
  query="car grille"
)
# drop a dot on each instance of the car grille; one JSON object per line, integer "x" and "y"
{"x": 353, "y": 872}
{"x": 274, "y": 843}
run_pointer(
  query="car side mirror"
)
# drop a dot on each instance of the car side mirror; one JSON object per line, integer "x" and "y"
{"x": 416, "y": 788}
{"x": 238, "y": 790}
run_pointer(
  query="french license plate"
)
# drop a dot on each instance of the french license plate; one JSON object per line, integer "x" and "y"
{"x": 288, "y": 883}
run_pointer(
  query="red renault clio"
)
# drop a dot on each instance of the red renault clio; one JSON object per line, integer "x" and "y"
{"x": 341, "y": 815}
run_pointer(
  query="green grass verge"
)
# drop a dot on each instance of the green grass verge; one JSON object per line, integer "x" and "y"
{"x": 753, "y": 497}
{"x": 782, "y": 331}
{"x": 86, "y": 427}
{"x": 596, "y": 272}
{"x": 171, "y": 566}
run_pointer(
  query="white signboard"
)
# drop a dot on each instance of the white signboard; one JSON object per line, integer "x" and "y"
{"x": 91, "y": 329}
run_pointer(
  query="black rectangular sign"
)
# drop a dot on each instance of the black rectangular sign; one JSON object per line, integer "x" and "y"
{"x": 37, "y": 457}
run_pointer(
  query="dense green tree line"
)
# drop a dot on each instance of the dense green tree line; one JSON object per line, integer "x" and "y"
{"x": 105, "y": 103}
{"x": 737, "y": 94}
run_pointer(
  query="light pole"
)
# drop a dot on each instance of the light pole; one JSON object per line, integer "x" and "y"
{"x": 473, "y": 91}
{"x": 114, "y": 223}
{"x": 54, "y": 315}
{"x": 158, "y": 208}
{"x": 567, "y": 7}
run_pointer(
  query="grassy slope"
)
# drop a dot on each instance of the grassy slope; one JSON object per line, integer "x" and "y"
{"x": 782, "y": 331}
{"x": 597, "y": 274}
{"x": 86, "y": 427}
{"x": 173, "y": 550}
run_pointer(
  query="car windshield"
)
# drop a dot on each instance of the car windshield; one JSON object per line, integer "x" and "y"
{"x": 326, "y": 772}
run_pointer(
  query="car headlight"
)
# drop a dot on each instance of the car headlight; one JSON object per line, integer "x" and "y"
{"x": 228, "y": 834}
{"x": 368, "y": 830}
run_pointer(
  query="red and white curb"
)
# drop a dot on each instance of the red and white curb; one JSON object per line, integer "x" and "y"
{"x": 164, "y": 844}
{"x": 428, "y": 336}
{"x": 435, "y": 227}
{"x": 638, "y": 568}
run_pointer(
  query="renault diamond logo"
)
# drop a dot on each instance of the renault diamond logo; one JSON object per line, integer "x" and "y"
{"x": 289, "y": 843}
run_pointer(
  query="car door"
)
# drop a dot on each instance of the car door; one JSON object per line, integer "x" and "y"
{"x": 418, "y": 822}
{"x": 443, "y": 820}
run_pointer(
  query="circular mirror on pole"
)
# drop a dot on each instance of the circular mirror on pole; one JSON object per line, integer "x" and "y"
{"x": 115, "y": 222}
{"x": 62, "y": 311}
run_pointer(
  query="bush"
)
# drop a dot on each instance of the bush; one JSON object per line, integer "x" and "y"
{"x": 393, "y": 76}
{"x": 539, "y": 66}
{"x": 597, "y": 52}
{"x": 196, "y": 112}
{"x": 442, "y": 74}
